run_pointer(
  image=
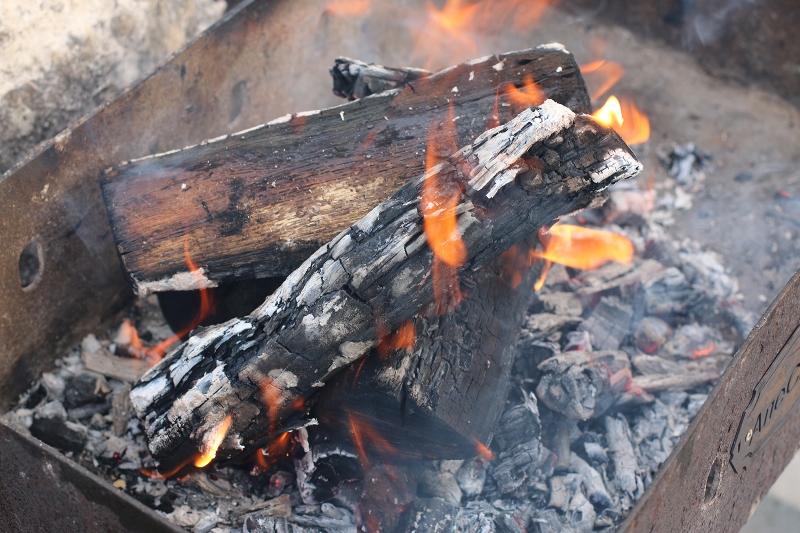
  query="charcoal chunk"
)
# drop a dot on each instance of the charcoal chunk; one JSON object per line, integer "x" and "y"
{"x": 592, "y": 481}
{"x": 518, "y": 424}
{"x": 471, "y": 477}
{"x": 623, "y": 455}
{"x": 583, "y": 385}
{"x": 528, "y": 462}
{"x": 84, "y": 388}
{"x": 651, "y": 334}
{"x": 608, "y": 323}
{"x": 431, "y": 515}
{"x": 668, "y": 293}
{"x": 66, "y": 436}
{"x": 547, "y": 521}
{"x": 438, "y": 484}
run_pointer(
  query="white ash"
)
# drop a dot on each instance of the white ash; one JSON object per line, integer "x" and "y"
{"x": 676, "y": 301}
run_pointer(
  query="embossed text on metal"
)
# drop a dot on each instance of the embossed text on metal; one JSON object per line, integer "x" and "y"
{"x": 774, "y": 399}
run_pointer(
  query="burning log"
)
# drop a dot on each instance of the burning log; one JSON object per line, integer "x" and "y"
{"x": 248, "y": 374}
{"x": 257, "y": 203}
{"x": 447, "y": 392}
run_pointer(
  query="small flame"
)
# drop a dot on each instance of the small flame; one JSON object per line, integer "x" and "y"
{"x": 581, "y": 248}
{"x": 128, "y": 337}
{"x": 483, "y": 451}
{"x": 212, "y": 441}
{"x": 401, "y": 339}
{"x": 530, "y": 95}
{"x": 278, "y": 448}
{"x": 584, "y": 248}
{"x": 154, "y": 473}
{"x": 624, "y": 118}
{"x": 348, "y": 8}
{"x": 604, "y": 74}
{"x": 703, "y": 352}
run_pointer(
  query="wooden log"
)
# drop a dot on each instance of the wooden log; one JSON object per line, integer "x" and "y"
{"x": 446, "y": 394}
{"x": 249, "y": 372}
{"x": 257, "y": 203}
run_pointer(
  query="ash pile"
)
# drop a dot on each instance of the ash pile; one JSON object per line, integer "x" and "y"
{"x": 611, "y": 367}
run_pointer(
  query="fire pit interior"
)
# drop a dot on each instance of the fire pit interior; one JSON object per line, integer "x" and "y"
{"x": 489, "y": 291}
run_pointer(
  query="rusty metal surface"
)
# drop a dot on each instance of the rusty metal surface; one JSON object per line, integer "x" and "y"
{"x": 238, "y": 74}
{"x": 698, "y": 489}
{"x": 42, "y": 491}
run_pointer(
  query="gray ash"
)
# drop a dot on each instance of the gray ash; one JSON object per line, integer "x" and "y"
{"x": 611, "y": 366}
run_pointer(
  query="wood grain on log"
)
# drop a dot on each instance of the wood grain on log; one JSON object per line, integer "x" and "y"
{"x": 509, "y": 182}
{"x": 257, "y": 203}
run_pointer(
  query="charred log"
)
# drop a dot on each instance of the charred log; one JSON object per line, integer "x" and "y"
{"x": 444, "y": 395}
{"x": 257, "y": 203}
{"x": 251, "y": 371}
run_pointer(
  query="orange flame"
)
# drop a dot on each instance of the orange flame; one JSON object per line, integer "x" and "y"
{"x": 530, "y": 95}
{"x": 278, "y": 448}
{"x": 584, "y": 248}
{"x": 438, "y": 202}
{"x": 401, "y": 339}
{"x": 212, "y": 441}
{"x": 482, "y": 451}
{"x": 543, "y": 276}
{"x": 452, "y": 33}
{"x": 447, "y": 31}
{"x": 128, "y": 337}
{"x": 348, "y": 8}
{"x": 154, "y": 473}
{"x": 703, "y": 352}
{"x": 362, "y": 433}
{"x": 604, "y": 74}
{"x": 624, "y": 118}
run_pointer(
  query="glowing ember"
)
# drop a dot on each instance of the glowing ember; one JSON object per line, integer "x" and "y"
{"x": 703, "y": 352}
{"x": 624, "y": 118}
{"x": 582, "y": 248}
{"x": 401, "y": 339}
{"x": 348, "y": 8}
{"x": 482, "y": 451}
{"x": 530, "y": 95}
{"x": 212, "y": 441}
{"x": 602, "y": 74}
